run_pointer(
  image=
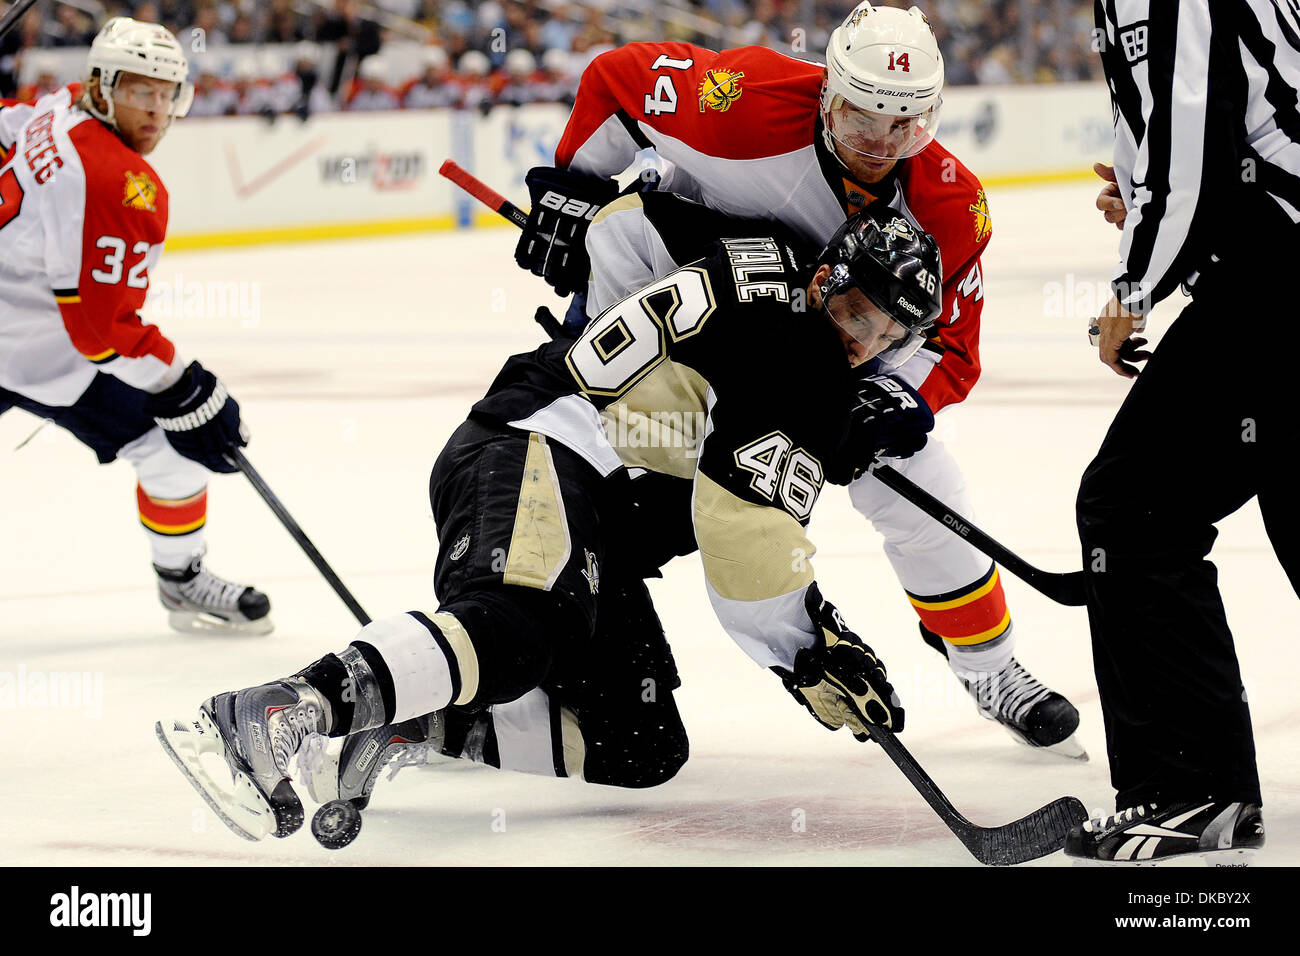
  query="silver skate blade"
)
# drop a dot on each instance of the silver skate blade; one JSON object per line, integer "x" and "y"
{"x": 242, "y": 807}
{"x": 1067, "y": 749}
{"x": 196, "y": 622}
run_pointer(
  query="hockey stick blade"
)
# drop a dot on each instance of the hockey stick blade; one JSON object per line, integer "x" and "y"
{"x": 1063, "y": 588}
{"x": 1032, "y": 836}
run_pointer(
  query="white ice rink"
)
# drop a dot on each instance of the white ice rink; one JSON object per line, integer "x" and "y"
{"x": 357, "y": 362}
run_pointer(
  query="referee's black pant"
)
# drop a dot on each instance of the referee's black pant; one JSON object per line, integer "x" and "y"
{"x": 1208, "y": 425}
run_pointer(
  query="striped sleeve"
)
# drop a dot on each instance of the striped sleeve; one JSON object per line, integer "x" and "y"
{"x": 1175, "y": 140}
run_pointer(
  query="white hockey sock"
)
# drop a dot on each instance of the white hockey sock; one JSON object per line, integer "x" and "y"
{"x": 970, "y": 662}
{"x": 430, "y": 659}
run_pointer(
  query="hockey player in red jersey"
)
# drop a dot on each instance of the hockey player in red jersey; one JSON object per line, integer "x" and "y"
{"x": 83, "y": 217}
{"x": 754, "y": 133}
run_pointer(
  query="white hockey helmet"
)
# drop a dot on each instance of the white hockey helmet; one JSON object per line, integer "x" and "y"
{"x": 246, "y": 69}
{"x": 556, "y": 60}
{"x": 124, "y": 45}
{"x": 520, "y": 62}
{"x": 435, "y": 58}
{"x": 882, "y": 61}
{"x": 474, "y": 63}
{"x": 374, "y": 68}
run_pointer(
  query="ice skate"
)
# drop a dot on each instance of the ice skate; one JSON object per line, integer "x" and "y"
{"x": 351, "y": 772}
{"x": 1033, "y": 714}
{"x": 198, "y": 601}
{"x": 1186, "y": 832}
{"x": 255, "y": 733}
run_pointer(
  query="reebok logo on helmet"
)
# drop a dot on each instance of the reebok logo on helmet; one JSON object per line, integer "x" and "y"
{"x": 909, "y": 307}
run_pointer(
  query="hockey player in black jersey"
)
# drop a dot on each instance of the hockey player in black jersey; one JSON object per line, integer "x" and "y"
{"x": 705, "y": 411}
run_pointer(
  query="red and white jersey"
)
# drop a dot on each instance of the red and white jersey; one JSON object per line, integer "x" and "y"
{"x": 82, "y": 221}
{"x": 740, "y": 132}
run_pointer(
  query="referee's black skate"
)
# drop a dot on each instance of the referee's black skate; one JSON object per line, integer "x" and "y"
{"x": 255, "y": 732}
{"x": 198, "y": 601}
{"x": 1035, "y": 715}
{"x": 350, "y": 773}
{"x": 1215, "y": 832}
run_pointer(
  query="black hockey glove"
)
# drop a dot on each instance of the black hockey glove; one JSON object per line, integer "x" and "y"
{"x": 889, "y": 419}
{"x": 553, "y": 244}
{"x": 839, "y": 679}
{"x": 200, "y": 418}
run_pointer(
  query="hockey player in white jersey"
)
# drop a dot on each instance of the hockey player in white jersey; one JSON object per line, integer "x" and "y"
{"x": 83, "y": 218}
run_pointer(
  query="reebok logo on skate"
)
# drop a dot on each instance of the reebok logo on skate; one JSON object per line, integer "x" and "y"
{"x": 76, "y": 909}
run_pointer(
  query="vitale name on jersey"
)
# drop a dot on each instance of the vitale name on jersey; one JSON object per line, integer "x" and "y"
{"x": 750, "y": 257}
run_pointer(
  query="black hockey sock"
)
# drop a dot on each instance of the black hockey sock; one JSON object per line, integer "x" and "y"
{"x": 329, "y": 676}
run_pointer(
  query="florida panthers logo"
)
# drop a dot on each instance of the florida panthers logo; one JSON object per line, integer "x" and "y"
{"x": 719, "y": 89}
{"x": 983, "y": 224}
{"x": 140, "y": 192}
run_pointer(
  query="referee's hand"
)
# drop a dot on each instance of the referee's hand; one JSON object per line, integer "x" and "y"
{"x": 1108, "y": 200}
{"x": 1113, "y": 332}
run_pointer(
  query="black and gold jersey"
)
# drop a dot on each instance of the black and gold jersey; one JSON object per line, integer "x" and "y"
{"x": 720, "y": 374}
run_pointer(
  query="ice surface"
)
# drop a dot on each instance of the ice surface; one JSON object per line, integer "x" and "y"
{"x": 358, "y": 361}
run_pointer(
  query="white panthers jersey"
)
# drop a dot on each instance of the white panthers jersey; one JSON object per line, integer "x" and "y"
{"x": 82, "y": 221}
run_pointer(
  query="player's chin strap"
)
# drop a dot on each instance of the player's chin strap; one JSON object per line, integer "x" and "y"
{"x": 88, "y": 101}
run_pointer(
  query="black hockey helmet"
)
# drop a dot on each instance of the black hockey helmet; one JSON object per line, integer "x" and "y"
{"x": 897, "y": 266}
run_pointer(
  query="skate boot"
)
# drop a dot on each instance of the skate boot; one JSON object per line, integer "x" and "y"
{"x": 199, "y": 601}
{"x": 1214, "y": 832}
{"x": 1034, "y": 715}
{"x": 255, "y": 732}
{"x": 351, "y": 773}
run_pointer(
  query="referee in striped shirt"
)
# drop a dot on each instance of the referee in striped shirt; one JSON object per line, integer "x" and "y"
{"x": 1206, "y": 188}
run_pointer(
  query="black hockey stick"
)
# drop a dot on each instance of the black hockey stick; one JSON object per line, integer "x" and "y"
{"x": 286, "y": 519}
{"x": 1063, "y": 588}
{"x": 13, "y": 15}
{"x": 1037, "y": 834}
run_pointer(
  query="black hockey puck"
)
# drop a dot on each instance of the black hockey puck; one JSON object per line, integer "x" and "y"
{"x": 336, "y": 824}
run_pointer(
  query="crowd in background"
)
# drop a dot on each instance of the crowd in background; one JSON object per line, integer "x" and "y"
{"x": 304, "y": 56}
